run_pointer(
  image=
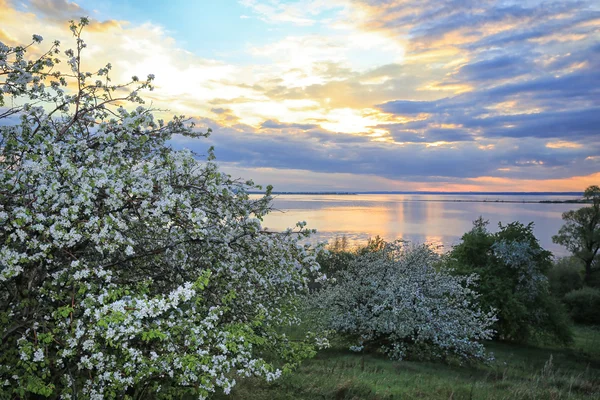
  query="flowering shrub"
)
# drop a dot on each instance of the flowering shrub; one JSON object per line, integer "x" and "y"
{"x": 512, "y": 267}
{"x": 394, "y": 298}
{"x": 128, "y": 269}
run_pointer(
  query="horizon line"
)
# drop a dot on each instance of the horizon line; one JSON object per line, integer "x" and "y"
{"x": 415, "y": 192}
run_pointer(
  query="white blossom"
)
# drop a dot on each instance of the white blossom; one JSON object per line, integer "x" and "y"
{"x": 146, "y": 266}
{"x": 38, "y": 355}
{"x": 395, "y": 297}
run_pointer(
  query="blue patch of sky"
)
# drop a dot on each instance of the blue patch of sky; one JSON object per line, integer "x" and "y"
{"x": 222, "y": 30}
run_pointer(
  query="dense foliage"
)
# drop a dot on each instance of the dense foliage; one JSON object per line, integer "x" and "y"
{"x": 512, "y": 267}
{"x": 565, "y": 276}
{"x": 336, "y": 256}
{"x": 391, "y": 296}
{"x": 129, "y": 269}
{"x": 581, "y": 232}
{"x": 584, "y": 305}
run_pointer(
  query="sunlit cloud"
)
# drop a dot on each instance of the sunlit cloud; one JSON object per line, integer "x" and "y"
{"x": 561, "y": 144}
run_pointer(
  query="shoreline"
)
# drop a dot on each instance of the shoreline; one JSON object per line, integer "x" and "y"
{"x": 346, "y": 192}
{"x": 439, "y": 200}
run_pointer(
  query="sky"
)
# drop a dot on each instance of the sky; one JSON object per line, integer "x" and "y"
{"x": 332, "y": 95}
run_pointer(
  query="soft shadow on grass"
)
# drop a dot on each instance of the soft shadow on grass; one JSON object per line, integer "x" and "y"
{"x": 519, "y": 372}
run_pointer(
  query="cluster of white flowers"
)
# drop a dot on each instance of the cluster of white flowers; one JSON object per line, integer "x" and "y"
{"x": 395, "y": 298}
{"x": 521, "y": 257}
{"x": 126, "y": 265}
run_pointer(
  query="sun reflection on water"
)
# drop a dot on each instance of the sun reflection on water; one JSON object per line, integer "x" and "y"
{"x": 433, "y": 219}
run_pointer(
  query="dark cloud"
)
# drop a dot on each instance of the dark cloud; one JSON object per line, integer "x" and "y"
{"x": 584, "y": 53}
{"x": 573, "y": 125}
{"x": 422, "y": 132}
{"x": 581, "y": 83}
{"x": 407, "y": 107}
{"x": 497, "y": 68}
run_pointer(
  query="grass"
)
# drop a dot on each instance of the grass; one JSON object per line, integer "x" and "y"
{"x": 519, "y": 372}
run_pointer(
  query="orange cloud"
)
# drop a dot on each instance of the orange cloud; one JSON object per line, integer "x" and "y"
{"x": 561, "y": 144}
{"x": 7, "y": 39}
{"x": 572, "y": 184}
{"x": 102, "y": 26}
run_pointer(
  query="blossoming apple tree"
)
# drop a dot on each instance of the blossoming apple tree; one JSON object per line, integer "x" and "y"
{"x": 127, "y": 268}
{"x": 394, "y": 298}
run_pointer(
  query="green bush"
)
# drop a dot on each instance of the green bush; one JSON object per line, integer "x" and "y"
{"x": 337, "y": 258}
{"x": 565, "y": 276}
{"x": 512, "y": 269}
{"x": 594, "y": 279}
{"x": 584, "y": 305}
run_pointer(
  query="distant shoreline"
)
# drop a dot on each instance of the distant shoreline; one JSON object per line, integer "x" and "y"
{"x": 344, "y": 193}
{"x": 503, "y": 201}
{"x": 567, "y": 201}
{"x": 577, "y": 194}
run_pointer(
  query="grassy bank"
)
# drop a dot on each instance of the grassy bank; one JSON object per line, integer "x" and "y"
{"x": 519, "y": 372}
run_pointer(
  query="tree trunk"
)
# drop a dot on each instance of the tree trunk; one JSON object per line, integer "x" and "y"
{"x": 587, "y": 279}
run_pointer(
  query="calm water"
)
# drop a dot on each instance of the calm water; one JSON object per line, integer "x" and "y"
{"x": 436, "y": 219}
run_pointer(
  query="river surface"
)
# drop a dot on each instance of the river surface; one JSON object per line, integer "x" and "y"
{"x": 436, "y": 219}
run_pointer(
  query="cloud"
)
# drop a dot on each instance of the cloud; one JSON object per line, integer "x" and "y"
{"x": 271, "y": 124}
{"x": 557, "y": 19}
{"x": 496, "y": 68}
{"x": 576, "y": 125}
{"x": 220, "y": 110}
{"x": 58, "y": 10}
{"x": 404, "y": 107}
{"x": 428, "y": 134}
{"x": 582, "y": 83}
{"x": 62, "y": 11}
